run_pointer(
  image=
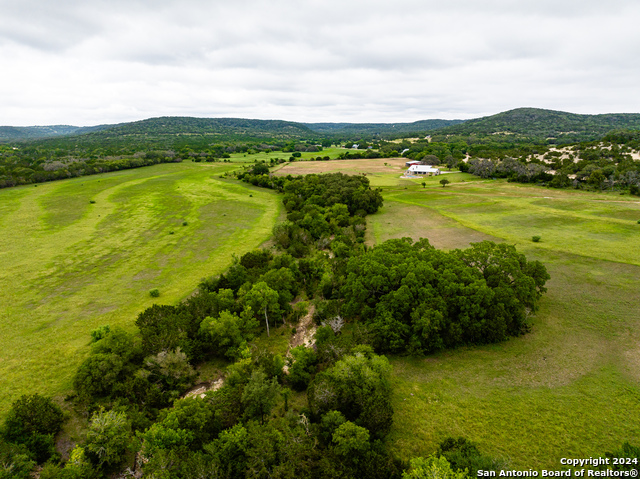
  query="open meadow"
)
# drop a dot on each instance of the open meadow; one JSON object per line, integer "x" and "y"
{"x": 569, "y": 388}
{"x": 85, "y": 252}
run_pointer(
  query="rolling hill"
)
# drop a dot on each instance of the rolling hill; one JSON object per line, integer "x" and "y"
{"x": 379, "y": 129}
{"x": 543, "y": 125}
{"x": 521, "y": 124}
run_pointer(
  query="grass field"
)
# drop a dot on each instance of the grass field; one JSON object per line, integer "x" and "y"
{"x": 81, "y": 253}
{"x": 264, "y": 156}
{"x": 571, "y": 387}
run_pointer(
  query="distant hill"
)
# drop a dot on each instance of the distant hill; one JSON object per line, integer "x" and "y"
{"x": 172, "y": 132}
{"x": 163, "y": 130}
{"x": 176, "y": 132}
{"x": 379, "y": 129}
{"x": 542, "y": 125}
{"x": 35, "y": 132}
{"x": 179, "y": 125}
{"x": 522, "y": 124}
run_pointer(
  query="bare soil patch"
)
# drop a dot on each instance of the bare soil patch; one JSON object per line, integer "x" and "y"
{"x": 305, "y": 330}
{"x": 201, "y": 389}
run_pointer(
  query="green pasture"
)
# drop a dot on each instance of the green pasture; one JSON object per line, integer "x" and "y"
{"x": 598, "y": 225}
{"x": 569, "y": 388}
{"x": 332, "y": 153}
{"x": 84, "y": 252}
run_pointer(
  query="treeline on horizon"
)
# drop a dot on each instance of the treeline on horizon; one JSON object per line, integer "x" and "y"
{"x": 506, "y": 145}
{"x": 398, "y": 297}
{"x": 606, "y": 164}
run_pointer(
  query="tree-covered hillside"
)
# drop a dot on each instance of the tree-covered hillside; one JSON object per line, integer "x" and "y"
{"x": 17, "y": 133}
{"x": 526, "y": 124}
{"x": 385, "y": 130}
{"x": 514, "y": 126}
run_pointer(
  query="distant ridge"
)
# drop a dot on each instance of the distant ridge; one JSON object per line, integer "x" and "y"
{"x": 420, "y": 126}
{"x": 536, "y": 123}
{"x": 36, "y": 132}
{"x": 521, "y": 124}
{"x": 174, "y": 125}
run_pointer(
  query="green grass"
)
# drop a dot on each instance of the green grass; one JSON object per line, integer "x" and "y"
{"x": 571, "y": 387}
{"x": 70, "y": 266}
{"x": 264, "y": 156}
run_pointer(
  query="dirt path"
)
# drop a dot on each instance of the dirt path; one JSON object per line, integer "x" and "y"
{"x": 305, "y": 330}
{"x": 201, "y": 389}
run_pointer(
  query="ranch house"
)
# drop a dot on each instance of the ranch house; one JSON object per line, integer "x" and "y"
{"x": 423, "y": 170}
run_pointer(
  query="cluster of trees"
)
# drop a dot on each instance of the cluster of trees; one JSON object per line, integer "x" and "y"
{"x": 419, "y": 299}
{"x": 233, "y": 432}
{"x": 595, "y": 165}
{"x": 323, "y": 211}
{"x": 514, "y": 170}
{"x": 51, "y": 159}
{"x": 35, "y": 165}
{"x": 448, "y": 153}
{"x": 243, "y": 429}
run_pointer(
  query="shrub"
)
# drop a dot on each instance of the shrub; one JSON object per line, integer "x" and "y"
{"x": 92, "y": 201}
{"x": 100, "y": 332}
{"x": 154, "y": 293}
{"x": 14, "y": 461}
{"x": 184, "y": 223}
{"x": 463, "y": 454}
{"x": 97, "y": 375}
{"x": 33, "y": 421}
{"x": 33, "y": 414}
{"x": 432, "y": 467}
{"x": 536, "y": 239}
{"x": 108, "y": 437}
{"x": 302, "y": 366}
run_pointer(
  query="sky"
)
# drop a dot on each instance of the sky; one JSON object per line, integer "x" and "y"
{"x": 90, "y": 62}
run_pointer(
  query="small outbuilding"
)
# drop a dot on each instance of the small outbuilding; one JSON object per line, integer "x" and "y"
{"x": 412, "y": 162}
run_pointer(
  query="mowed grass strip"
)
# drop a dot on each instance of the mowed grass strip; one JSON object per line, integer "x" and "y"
{"x": 85, "y": 252}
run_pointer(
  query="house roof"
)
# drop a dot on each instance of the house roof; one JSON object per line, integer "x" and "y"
{"x": 423, "y": 168}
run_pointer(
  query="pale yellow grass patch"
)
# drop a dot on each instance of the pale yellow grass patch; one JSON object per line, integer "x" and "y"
{"x": 349, "y": 167}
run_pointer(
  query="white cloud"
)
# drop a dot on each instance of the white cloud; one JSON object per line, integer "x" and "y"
{"x": 96, "y": 62}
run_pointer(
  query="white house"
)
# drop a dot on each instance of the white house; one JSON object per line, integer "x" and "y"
{"x": 423, "y": 170}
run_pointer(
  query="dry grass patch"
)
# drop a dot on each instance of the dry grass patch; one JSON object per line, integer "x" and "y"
{"x": 398, "y": 220}
{"x": 349, "y": 167}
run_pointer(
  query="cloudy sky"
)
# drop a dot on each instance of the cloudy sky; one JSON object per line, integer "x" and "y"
{"x": 88, "y": 62}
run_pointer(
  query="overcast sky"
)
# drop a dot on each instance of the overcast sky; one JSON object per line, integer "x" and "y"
{"x": 88, "y": 62}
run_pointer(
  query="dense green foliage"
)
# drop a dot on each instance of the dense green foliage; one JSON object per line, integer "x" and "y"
{"x": 526, "y": 124}
{"x": 420, "y": 299}
{"x": 357, "y": 386}
{"x": 463, "y": 455}
{"x": 595, "y": 165}
{"x": 378, "y": 130}
{"x": 15, "y": 461}
{"x": 320, "y": 207}
{"x": 19, "y": 166}
{"x": 33, "y": 421}
{"x": 433, "y": 467}
{"x": 12, "y": 133}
